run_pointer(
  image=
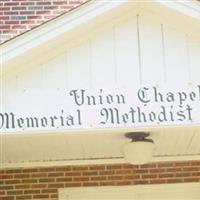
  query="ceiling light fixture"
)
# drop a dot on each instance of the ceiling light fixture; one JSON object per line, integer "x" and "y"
{"x": 140, "y": 149}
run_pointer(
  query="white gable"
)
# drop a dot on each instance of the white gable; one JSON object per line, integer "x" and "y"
{"x": 138, "y": 70}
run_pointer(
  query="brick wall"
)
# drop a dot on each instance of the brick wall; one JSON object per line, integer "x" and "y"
{"x": 18, "y": 16}
{"x": 43, "y": 183}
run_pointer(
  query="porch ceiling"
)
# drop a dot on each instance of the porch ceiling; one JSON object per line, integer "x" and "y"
{"x": 177, "y": 143}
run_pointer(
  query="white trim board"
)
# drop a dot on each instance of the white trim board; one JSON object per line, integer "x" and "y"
{"x": 90, "y": 162}
{"x": 157, "y": 191}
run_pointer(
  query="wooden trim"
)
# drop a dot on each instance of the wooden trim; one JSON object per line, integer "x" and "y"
{"x": 91, "y": 162}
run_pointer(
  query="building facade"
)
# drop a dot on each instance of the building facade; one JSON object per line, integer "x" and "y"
{"x": 72, "y": 87}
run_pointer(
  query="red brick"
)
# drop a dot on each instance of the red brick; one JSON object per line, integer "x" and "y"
{"x": 55, "y": 174}
{"x": 157, "y": 181}
{"x": 10, "y": 31}
{"x": 19, "y": 8}
{"x": 72, "y": 174}
{"x": 72, "y": 184}
{"x": 141, "y": 171}
{"x": 23, "y": 197}
{"x": 11, "y": 3}
{"x": 90, "y": 184}
{"x": 129, "y": 166}
{"x": 14, "y": 192}
{"x": 196, "y": 173}
{"x": 197, "y": 162}
{"x": 140, "y": 182}
{"x": 90, "y": 173}
{"x": 46, "y": 180}
{"x": 97, "y": 167}
{"x": 191, "y": 180}
{"x": 8, "y": 198}
{"x": 149, "y": 176}
{"x": 98, "y": 178}
{"x": 2, "y": 193}
{"x": 123, "y": 183}
{"x": 30, "y": 170}
{"x": 115, "y": 177}
{"x": 63, "y": 179}
{"x": 47, "y": 169}
{"x": 10, "y": 182}
{"x": 34, "y": 17}
{"x": 22, "y": 176}
{"x": 110, "y": 167}
{"x": 29, "y": 181}
{"x": 49, "y": 191}
{"x": 56, "y": 185}
{"x": 12, "y": 22}
{"x": 166, "y": 175}
{"x": 79, "y": 168}
{"x": 50, "y": 7}
{"x": 43, "y": 3}
{"x": 80, "y": 179}
{"x": 54, "y": 196}
{"x": 4, "y": 8}
{"x": 123, "y": 171}
{"x": 4, "y": 17}
{"x": 19, "y": 27}
{"x": 11, "y": 13}
{"x": 6, "y": 187}
{"x": 174, "y": 180}
{"x": 156, "y": 170}
{"x": 40, "y": 196}
{"x": 134, "y": 176}
{"x": 5, "y": 176}
{"x": 23, "y": 186}
{"x": 28, "y": 22}
{"x": 182, "y": 164}
{"x": 31, "y": 191}
{"x": 39, "y": 186}
{"x": 108, "y": 172}
{"x": 107, "y": 183}
{"x": 39, "y": 175}
{"x": 27, "y": 12}
{"x": 5, "y": 27}
{"x": 194, "y": 168}
{"x": 67, "y": 168}
{"x": 183, "y": 174}
{"x": 177, "y": 169}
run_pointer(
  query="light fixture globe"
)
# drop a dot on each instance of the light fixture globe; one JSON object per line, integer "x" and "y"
{"x": 140, "y": 150}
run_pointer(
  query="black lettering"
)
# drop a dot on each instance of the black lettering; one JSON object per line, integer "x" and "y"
{"x": 181, "y": 115}
{"x": 79, "y": 99}
{"x": 70, "y": 120}
{"x": 120, "y": 99}
{"x": 20, "y": 122}
{"x": 53, "y": 118}
{"x": 189, "y": 109}
{"x": 152, "y": 116}
{"x": 170, "y": 97}
{"x": 104, "y": 113}
{"x": 142, "y": 96}
{"x": 162, "y": 115}
{"x": 1, "y": 120}
{"x": 32, "y": 122}
{"x": 157, "y": 95}
{"x": 141, "y": 115}
{"x": 44, "y": 122}
{"x": 182, "y": 97}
